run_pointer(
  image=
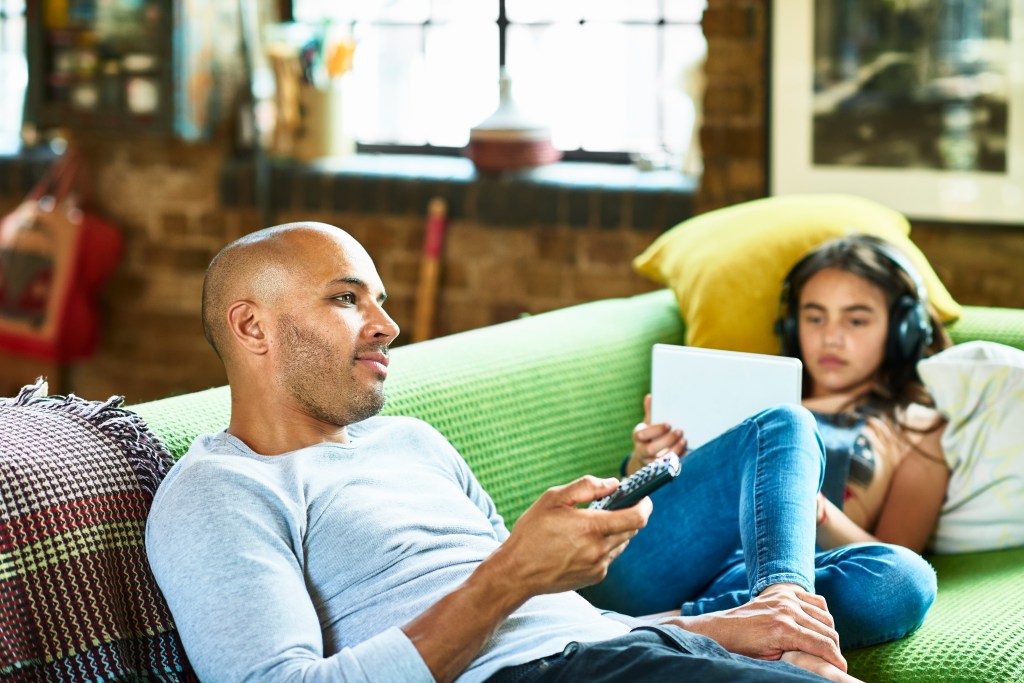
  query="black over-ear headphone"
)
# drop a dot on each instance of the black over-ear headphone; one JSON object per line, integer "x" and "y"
{"x": 910, "y": 327}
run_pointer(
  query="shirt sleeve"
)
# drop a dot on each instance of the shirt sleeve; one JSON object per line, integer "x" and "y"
{"x": 225, "y": 552}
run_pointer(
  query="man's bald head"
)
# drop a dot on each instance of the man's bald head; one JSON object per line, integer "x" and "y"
{"x": 259, "y": 267}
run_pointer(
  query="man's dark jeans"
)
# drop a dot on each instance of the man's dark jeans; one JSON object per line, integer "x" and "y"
{"x": 650, "y": 653}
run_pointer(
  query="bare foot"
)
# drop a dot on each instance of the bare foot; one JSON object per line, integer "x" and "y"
{"x": 819, "y": 666}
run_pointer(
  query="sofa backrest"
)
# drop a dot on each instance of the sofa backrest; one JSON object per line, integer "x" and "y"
{"x": 534, "y": 402}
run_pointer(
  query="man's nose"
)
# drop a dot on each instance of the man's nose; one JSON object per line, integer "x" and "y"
{"x": 382, "y": 325}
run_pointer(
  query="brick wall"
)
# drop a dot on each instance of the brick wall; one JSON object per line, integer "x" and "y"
{"x": 734, "y": 132}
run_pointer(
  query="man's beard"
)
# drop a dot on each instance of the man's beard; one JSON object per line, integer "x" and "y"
{"x": 308, "y": 368}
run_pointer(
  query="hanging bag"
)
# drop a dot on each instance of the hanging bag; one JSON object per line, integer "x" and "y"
{"x": 54, "y": 258}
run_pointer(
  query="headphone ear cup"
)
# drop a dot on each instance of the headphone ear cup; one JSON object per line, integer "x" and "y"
{"x": 789, "y": 334}
{"x": 910, "y": 331}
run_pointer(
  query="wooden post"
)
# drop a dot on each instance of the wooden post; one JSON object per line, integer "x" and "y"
{"x": 430, "y": 270}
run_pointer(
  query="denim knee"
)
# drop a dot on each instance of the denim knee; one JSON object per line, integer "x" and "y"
{"x": 798, "y": 424}
{"x": 883, "y": 593}
{"x": 914, "y": 586}
{"x": 790, "y": 414}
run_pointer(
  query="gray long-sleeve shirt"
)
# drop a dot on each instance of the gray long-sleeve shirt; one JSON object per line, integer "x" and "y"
{"x": 303, "y": 566}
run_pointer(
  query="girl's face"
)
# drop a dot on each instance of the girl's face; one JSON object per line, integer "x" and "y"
{"x": 843, "y": 323}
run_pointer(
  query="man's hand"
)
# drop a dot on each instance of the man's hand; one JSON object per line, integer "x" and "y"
{"x": 651, "y": 440}
{"x": 782, "y": 619}
{"x": 818, "y": 666}
{"x": 556, "y": 546}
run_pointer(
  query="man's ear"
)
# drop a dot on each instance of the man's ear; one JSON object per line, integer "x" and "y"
{"x": 248, "y": 326}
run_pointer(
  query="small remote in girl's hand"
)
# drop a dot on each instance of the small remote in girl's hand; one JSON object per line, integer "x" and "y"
{"x": 640, "y": 484}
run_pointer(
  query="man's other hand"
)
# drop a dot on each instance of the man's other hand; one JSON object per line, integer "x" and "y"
{"x": 782, "y": 619}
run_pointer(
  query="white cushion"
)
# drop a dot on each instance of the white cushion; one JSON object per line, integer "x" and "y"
{"x": 979, "y": 387}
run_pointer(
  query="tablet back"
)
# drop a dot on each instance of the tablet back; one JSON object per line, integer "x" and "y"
{"x": 704, "y": 392}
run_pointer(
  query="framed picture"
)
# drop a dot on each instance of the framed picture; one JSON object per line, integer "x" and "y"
{"x": 918, "y": 104}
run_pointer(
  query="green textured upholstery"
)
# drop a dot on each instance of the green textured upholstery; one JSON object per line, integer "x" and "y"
{"x": 540, "y": 401}
{"x": 974, "y": 631}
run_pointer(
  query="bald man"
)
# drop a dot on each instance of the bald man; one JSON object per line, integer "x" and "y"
{"x": 313, "y": 540}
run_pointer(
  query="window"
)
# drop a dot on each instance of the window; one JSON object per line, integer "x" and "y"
{"x": 13, "y": 74}
{"x": 607, "y": 76}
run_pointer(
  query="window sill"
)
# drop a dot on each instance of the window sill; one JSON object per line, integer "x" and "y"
{"x": 569, "y": 193}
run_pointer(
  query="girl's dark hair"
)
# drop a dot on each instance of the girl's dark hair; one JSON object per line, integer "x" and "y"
{"x": 898, "y": 384}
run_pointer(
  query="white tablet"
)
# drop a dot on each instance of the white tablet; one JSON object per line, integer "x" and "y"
{"x": 705, "y": 392}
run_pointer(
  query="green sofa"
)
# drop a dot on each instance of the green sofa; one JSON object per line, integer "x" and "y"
{"x": 542, "y": 400}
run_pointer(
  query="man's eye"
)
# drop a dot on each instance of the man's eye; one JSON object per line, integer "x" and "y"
{"x": 346, "y": 298}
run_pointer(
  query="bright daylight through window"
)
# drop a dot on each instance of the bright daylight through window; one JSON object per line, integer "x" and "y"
{"x": 604, "y": 75}
{"x": 13, "y": 73}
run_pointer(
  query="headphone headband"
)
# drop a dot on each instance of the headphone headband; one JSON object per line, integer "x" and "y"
{"x": 904, "y": 264}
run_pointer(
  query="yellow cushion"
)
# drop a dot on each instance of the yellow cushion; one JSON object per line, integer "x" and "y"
{"x": 727, "y": 266}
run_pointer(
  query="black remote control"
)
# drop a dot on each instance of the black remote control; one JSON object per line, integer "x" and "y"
{"x": 641, "y": 483}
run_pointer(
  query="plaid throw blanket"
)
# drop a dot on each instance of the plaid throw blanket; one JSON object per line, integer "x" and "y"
{"x": 77, "y": 599}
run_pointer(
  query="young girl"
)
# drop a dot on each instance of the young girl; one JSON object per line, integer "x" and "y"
{"x": 853, "y": 311}
{"x": 862, "y": 325}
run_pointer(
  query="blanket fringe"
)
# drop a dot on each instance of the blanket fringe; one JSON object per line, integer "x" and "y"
{"x": 148, "y": 456}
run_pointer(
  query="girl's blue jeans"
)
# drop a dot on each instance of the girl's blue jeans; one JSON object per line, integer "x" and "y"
{"x": 740, "y": 517}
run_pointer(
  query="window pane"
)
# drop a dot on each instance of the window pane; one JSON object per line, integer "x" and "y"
{"x": 406, "y": 11}
{"x": 13, "y": 81}
{"x": 682, "y": 80}
{"x": 543, "y": 10}
{"x": 465, "y": 10}
{"x": 462, "y": 80}
{"x": 416, "y": 11}
{"x": 13, "y": 39}
{"x": 622, "y": 84}
{"x": 389, "y": 84}
{"x": 616, "y": 10}
{"x": 594, "y": 84}
{"x": 684, "y": 11}
{"x": 541, "y": 65}
{"x": 312, "y": 11}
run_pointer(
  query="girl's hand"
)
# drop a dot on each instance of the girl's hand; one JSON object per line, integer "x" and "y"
{"x": 651, "y": 440}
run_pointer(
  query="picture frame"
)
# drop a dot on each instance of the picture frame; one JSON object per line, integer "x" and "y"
{"x": 917, "y": 105}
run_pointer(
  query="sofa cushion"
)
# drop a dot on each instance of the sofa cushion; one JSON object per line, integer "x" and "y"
{"x": 77, "y": 600}
{"x": 727, "y": 266}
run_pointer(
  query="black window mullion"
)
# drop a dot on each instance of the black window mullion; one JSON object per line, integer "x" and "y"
{"x": 502, "y": 28}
